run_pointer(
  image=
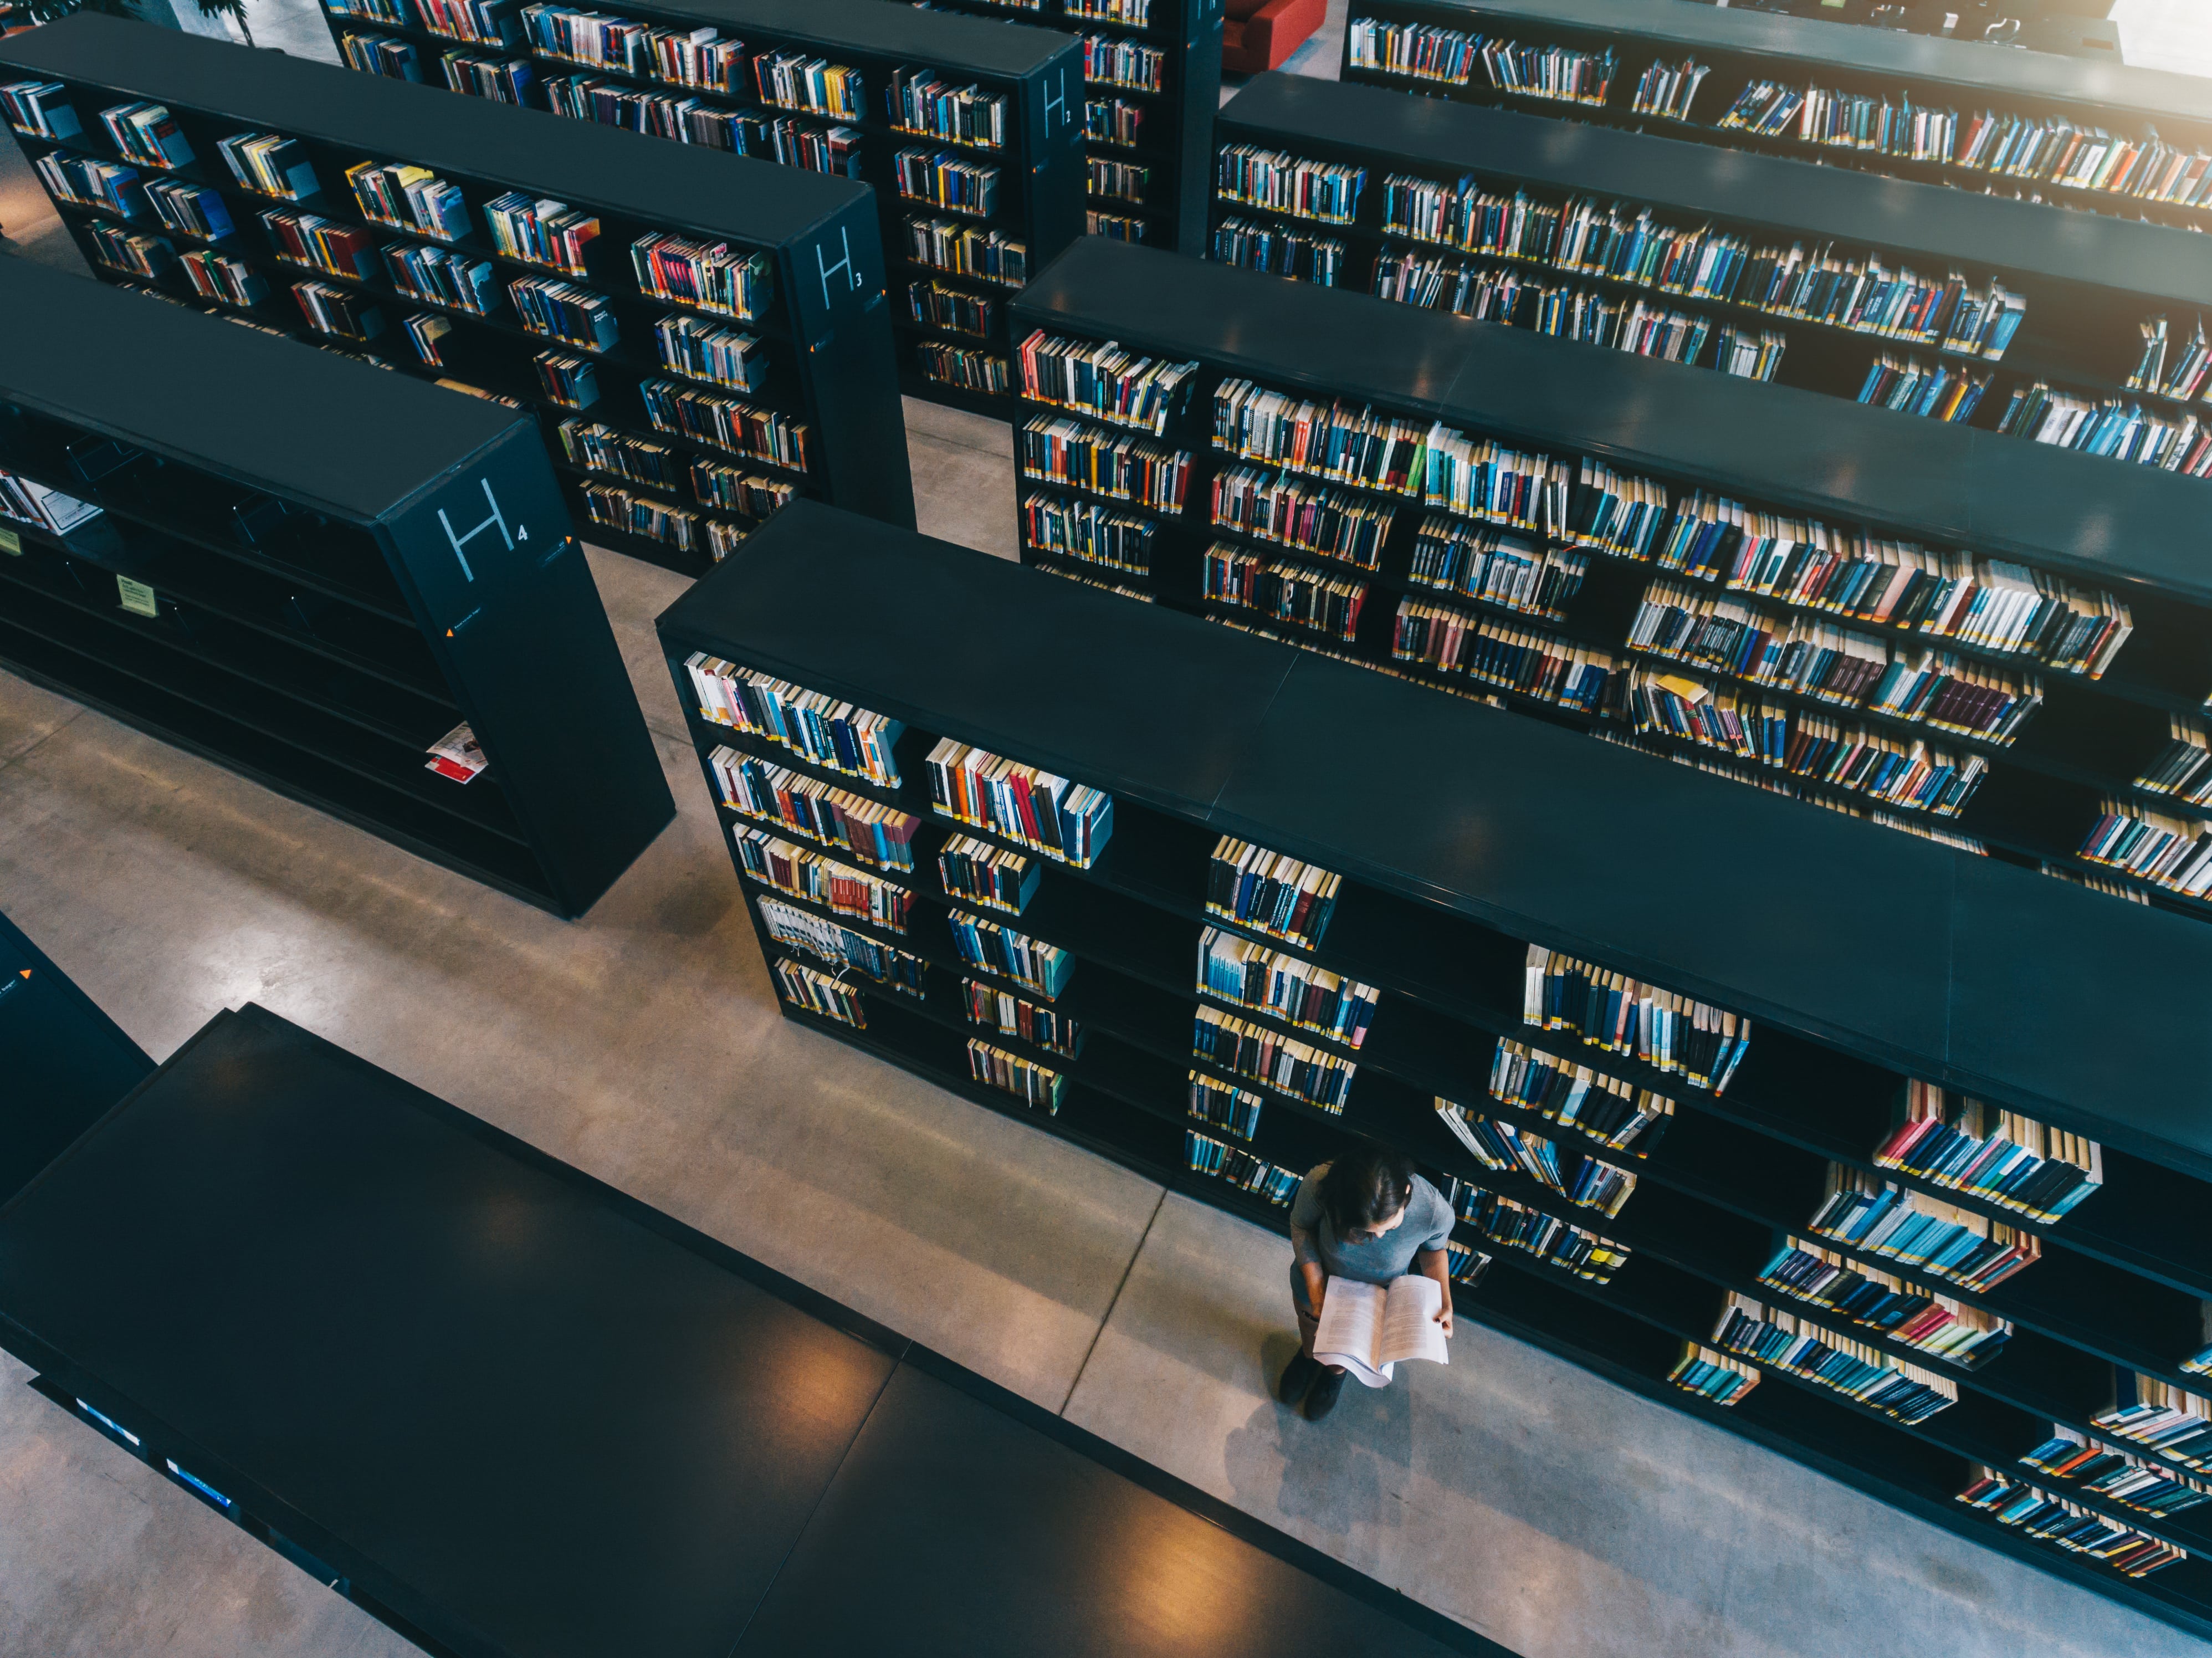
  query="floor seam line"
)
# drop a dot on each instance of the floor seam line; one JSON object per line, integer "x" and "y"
{"x": 1143, "y": 1238}
{"x": 22, "y": 755}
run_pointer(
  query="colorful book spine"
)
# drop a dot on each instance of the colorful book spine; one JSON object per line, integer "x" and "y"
{"x": 1668, "y": 1031}
{"x": 1319, "y": 1078}
{"x": 824, "y": 731}
{"x": 806, "y": 874}
{"x": 819, "y": 994}
{"x": 1032, "y": 1084}
{"x": 841, "y": 947}
{"x": 1070, "y": 822}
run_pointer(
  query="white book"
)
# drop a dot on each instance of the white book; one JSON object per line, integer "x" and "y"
{"x": 1368, "y": 1327}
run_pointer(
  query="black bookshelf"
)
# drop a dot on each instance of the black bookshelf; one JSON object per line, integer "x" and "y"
{"x": 1037, "y": 74}
{"x": 1170, "y": 98}
{"x": 2088, "y": 283}
{"x": 1741, "y": 48}
{"x": 310, "y": 572}
{"x": 1518, "y": 840}
{"x": 824, "y": 339}
{"x": 2122, "y": 531}
{"x": 730, "y": 1449}
{"x": 66, "y": 1061}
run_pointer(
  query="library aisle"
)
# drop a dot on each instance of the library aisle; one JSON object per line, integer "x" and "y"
{"x": 1554, "y": 1512}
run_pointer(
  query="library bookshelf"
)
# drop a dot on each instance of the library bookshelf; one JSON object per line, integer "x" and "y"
{"x": 1516, "y": 843}
{"x": 1152, "y": 80}
{"x": 1165, "y": 510}
{"x": 1018, "y": 177}
{"x": 673, "y": 426}
{"x": 2049, "y": 114}
{"x": 1599, "y": 235}
{"x": 311, "y": 572}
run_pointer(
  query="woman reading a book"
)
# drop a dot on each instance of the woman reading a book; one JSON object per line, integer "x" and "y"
{"x": 1364, "y": 1218}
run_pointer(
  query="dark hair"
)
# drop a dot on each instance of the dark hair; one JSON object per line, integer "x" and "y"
{"x": 1365, "y": 1187}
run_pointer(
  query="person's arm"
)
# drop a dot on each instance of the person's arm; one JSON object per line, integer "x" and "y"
{"x": 1437, "y": 1264}
{"x": 1306, "y": 1253}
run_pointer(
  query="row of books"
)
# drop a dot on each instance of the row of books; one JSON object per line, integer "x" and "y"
{"x": 2015, "y": 1502}
{"x": 1932, "y": 390}
{"x": 873, "y": 832}
{"x": 841, "y": 947}
{"x": 961, "y": 365}
{"x": 1233, "y": 1110}
{"x": 1614, "y": 1112}
{"x": 2170, "y": 1422}
{"x": 47, "y": 509}
{"x": 946, "y": 181}
{"x": 1059, "y": 450}
{"x": 1108, "y": 61}
{"x": 709, "y": 276}
{"x": 990, "y": 948}
{"x": 1014, "y": 1016}
{"x": 1254, "y": 176}
{"x": 2183, "y": 767}
{"x": 2113, "y": 1476}
{"x": 1105, "y": 382}
{"x": 1670, "y": 1032}
{"x": 1481, "y": 561}
{"x": 1467, "y": 1266}
{"x": 1991, "y": 1153}
{"x": 1713, "y": 1376}
{"x": 1070, "y": 823}
{"x": 1523, "y": 1226}
{"x": 807, "y": 874}
{"x": 819, "y": 994}
{"x": 1034, "y": 1085}
{"x": 1854, "y": 1368}
{"x": 1123, "y": 182}
{"x": 1273, "y": 981}
{"x": 2111, "y": 426}
{"x": 1505, "y": 1147}
{"x": 767, "y": 435}
{"x": 1877, "y": 1216}
{"x": 1834, "y": 664}
{"x": 980, "y": 873}
{"x": 934, "y": 304}
{"x": 1269, "y": 892}
{"x": 967, "y": 250}
{"x": 602, "y": 449}
{"x": 824, "y": 731}
{"x": 1270, "y": 505}
{"x": 1313, "y": 1074}
{"x": 1900, "y": 1310}
{"x": 1279, "y": 250}
{"x": 1087, "y": 530}
{"x": 1208, "y": 1155}
{"x": 619, "y": 508}
{"x": 2048, "y": 149}
{"x": 1425, "y": 51}
{"x": 1522, "y": 660}
{"x": 2184, "y": 377}
{"x": 1288, "y": 593}
{"x": 2168, "y": 851}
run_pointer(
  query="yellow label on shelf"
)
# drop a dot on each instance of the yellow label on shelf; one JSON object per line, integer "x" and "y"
{"x": 11, "y": 543}
{"x": 137, "y": 597}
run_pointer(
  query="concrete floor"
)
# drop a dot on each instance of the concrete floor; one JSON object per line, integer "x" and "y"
{"x": 1555, "y": 1513}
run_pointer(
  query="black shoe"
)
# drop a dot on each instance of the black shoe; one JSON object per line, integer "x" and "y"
{"x": 1322, "y": 1399}
{"x": 1297, "y": 1375}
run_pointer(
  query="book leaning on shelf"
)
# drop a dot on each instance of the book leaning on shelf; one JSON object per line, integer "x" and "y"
{"x": 820, "y": 880}
{"x": 1614, "y": 1112}
{"x": 1924, "y": 1234}
{"x": 1240, "y": 1168}
{"x": 2120, "y": 1477}
{"x": 1999, "y": 1156}
{"x": 1715, "y": 1377}
{"x": 1070, "y": 822}
{"x": 1466, "y": 1266}
{"x": 1272, "y": 981}
{"x": 1902, "y": 1311}
{"x": 819, "y": 992}
{"x": 871, "y": 831}
{"x": 1505, "y": 1147}
{"x": 2015, "y": 1502}
{"x": 1858, "y": 1371}
{"x": 841, "y": 947}
{"x": 1025, "y": 1080}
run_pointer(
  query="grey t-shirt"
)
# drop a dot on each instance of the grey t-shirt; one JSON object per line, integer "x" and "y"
{"x": 1427, "y": 1225}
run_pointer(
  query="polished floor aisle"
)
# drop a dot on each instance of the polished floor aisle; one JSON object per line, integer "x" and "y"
{"x": 1557, "y": 1514}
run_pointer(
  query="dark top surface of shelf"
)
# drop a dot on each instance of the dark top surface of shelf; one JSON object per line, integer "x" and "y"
{"x": 1682, "y": 177}
{"x": 1973, "y": 66}
{"x": 314, "y": 1273}
{"x": 580, "y": 162}
{"x": 934, "y": 39}
{"x": 339, "y": 435}
{"x": 1071, "y": 1559}
{"x": 1773, "y": 445}
{"x": 1990, "y": 978}
{"x": 536, "y": 1419}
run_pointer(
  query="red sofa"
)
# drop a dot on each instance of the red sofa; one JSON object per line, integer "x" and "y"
{"x": 1261, "y": 34}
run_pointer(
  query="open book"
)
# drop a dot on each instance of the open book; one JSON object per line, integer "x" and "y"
{"x": 1367, "y": 1327}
